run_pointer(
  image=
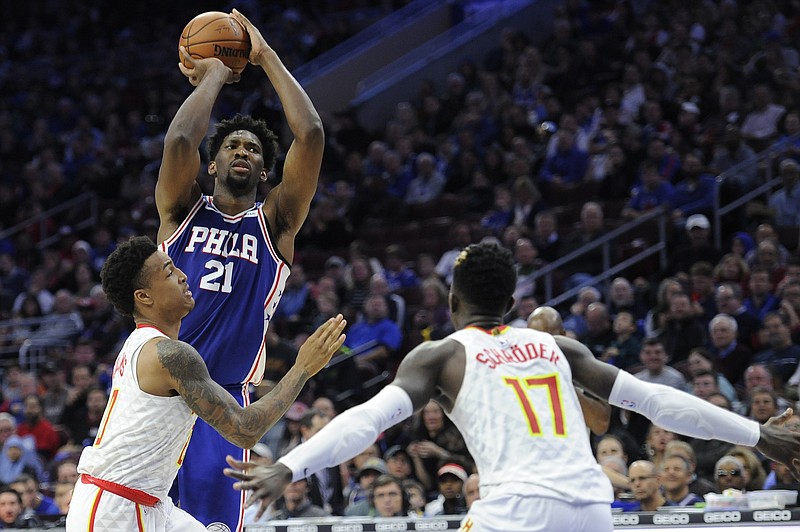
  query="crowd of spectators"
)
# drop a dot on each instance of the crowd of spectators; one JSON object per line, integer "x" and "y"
{"x": 542, "y": 145}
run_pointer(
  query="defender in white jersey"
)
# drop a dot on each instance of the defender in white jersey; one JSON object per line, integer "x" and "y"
{"x": 160, "y": 386}
{"x": 509, "y": 392}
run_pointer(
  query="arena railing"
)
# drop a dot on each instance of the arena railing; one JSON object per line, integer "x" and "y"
{"x": 610, "y": 267}
{"x": 763, "y": 158}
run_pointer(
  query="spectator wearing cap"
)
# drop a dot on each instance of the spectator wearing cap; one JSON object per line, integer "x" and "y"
{"x": 695, "y": 190}
{"x": 398, "y": 462}
{"x": 699, "y": 248}
{"x": 359, "y": 500}
{"x": 261, "y": 454}
{"x": 688, "y": 127}
{"x": 785, "y": 203}
{"x": 729, "y": 474}
{"x": 451, "y": 478}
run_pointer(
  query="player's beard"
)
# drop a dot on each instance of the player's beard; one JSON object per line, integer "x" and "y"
{"x": 240, "y": 185}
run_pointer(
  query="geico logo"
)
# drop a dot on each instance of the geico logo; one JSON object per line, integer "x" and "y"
{"x": 350, "y": 527}
{"x": 390, "y": 527}
{"x": 431, "y": 525}
{"x": 626, "y": 519}
{"x": 671, "y": 519}
{"x": 301, "y": 528}
{"x": 772, "y": 515}
{"x": 722, "y": 517}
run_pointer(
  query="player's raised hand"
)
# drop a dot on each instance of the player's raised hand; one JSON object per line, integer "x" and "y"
{"x": 266, "y": 482}
{"x": 318, "y": 349}
{"x": 202, "y": 66}
{"x": 258, "y": 45}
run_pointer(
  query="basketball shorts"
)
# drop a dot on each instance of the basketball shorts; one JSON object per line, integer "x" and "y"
{"x": 94, "y": 508}
{"x": 514, "y": 513}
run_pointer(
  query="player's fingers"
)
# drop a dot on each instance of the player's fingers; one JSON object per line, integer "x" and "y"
{"x": 237, "y": 464}
{"x": 234, "y": 473}
{"x": 781, "y": 418}
{"x": 795, "y": 469}
{"x": 338, "y": 344}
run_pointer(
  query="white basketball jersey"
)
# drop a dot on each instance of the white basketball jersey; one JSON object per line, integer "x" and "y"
{"x": 142, "y": 437}
{"x": 521, "y": 420}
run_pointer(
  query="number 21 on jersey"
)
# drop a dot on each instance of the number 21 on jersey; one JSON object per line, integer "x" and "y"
{"x": 532, "y": 391}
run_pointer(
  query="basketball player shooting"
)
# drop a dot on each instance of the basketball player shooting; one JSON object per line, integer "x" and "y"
{"x": 235, "y": 250}
{"x": 509, "y": 392}
{"x": 160, "y": 386}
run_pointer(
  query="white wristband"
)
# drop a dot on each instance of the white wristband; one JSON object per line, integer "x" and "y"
{"x": 680, "y": 412}
{"x": 349, "y": 433}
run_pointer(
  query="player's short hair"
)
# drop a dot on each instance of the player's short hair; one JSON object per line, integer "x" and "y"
{"x": 484, "y": 276}
{"x": 123, "y": 272}
{"x": 269, "y": 141}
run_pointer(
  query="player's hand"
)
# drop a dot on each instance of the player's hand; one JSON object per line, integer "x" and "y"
{"x": 266, "y": 482}
{"x": 200, "y": 67}
{"x": 317, "y": 350}
{"x": 258, "y": 45}
{"x": 781, "y": 445}
{"x": 780, "y": 419}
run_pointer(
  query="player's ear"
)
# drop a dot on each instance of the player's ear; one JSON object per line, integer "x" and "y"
{"x": 263, "y": 176}
{"x": 141, "y": 297}
{"x": 453, "y": 301}
{"x": 212, "y": 168}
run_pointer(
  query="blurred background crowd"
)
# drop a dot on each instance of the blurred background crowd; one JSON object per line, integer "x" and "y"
{"x": 625, "y": 109}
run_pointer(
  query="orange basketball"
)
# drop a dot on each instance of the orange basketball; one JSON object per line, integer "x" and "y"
{"x": 216, "y": 34}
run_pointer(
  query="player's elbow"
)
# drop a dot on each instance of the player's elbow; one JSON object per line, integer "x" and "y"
{"x": 311, "y": 131}
{"x": 179, "y": 143}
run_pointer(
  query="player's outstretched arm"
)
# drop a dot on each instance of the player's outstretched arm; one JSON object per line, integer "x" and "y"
{"x": 679, "y": 411}
{"x": 304, "y": 158}
{"x": 188, "y": 375}
{"x": 176, "y": 185}
{"x": 350, "y": 432}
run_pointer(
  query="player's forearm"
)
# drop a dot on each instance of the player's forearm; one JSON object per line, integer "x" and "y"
{"x": 260, "y": 416}
{"x": 681, "y": 412}
{"x": 191, "y": 120}
{"x": 302, "y": 117}
{"x": 349, "y": 433}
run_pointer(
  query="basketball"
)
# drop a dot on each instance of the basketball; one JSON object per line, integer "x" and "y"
{"x": 216, "y": 34}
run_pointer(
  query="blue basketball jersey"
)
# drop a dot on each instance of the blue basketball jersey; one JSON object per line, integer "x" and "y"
{"x": 231, "y": 263}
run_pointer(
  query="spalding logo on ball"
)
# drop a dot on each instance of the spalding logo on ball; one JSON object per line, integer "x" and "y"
{"x": 216, "y": 34}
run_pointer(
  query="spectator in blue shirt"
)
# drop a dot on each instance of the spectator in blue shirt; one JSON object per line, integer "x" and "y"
{"x": 374, "y": 338}
{"x": 694, "y": 194}
{"x": 653, "y": 192}
{"x": 397, "y": 273}
{"x": 568, "y": 164}
{"x": 785, "y": 203}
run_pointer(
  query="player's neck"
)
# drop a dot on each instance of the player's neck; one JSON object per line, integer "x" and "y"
{"x": 170, "y": 330}
{"x": 486, "y": 322}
